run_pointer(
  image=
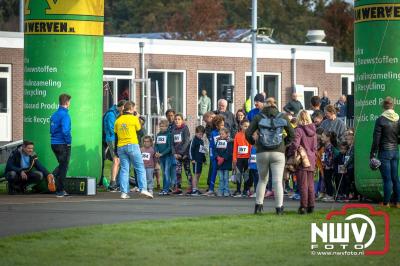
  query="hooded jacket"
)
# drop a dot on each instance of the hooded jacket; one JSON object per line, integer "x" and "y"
{"x": 306, "y": 137}
{"x": 180, "y": 140}
{"x": 108, "y": 123}
{"x": 386, "y": 133}
{"x": 270, "y": 111}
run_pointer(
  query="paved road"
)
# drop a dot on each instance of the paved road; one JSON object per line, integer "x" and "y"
{"x": 31, "y": 213}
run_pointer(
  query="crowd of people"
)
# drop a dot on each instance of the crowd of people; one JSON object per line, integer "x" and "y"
{"x": 264, "y": 152}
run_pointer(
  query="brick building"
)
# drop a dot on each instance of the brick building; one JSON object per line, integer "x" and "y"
{"x": 179, "y": 70}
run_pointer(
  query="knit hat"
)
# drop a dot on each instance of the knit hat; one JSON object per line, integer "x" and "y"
{"x": 259, "y": 98}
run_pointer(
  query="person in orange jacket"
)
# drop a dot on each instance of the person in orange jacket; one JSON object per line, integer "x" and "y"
{"x": 241, "y": 155}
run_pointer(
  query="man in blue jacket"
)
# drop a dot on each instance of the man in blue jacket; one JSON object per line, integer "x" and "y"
{"x": 60, "y": 132}
{"x": 109, "y": 138}
{"x": 259, "y": 105}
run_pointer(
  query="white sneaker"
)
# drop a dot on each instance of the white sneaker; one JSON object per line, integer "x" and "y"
{"x": 253, "y": 195}
{"x": 125, "y": 196}
{"x": 146, "y": 194}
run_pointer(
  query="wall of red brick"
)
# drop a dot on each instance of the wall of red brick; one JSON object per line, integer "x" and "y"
{"x": 15, "y": 58}
{"x": 310, "y": 73}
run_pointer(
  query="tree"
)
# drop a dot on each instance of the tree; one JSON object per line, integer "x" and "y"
{"x": 9, "y": 14}
{"x": 199, "y": 21}
{"x": 338, "y": 23}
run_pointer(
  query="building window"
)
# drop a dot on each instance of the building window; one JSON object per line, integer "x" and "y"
{"x": 213, "y": 83}
{"x": 270, "y": 83}
{"x": 117, "y": 86}
{"x": 348, "y": 85}
{"x": 5, "y": 103}
{"x": 167, "y": 91}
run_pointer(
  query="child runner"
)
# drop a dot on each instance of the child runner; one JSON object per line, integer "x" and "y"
{"x": 341, "y": 177}
{"x": 197, "y": 157}
{"x": 224, "y": 150}
{"x": 253, "y": 172}
{"x": 218, "y": 122}
{"x": 180, "y": 149}
{"x": 208, "y": 118}
{"x": 330, "y": 143}
{"x": 163, "y": 153}
{"x": 320, "y": 191}
{"x": 241, "y": 155}
{"x": 149, "y": 160}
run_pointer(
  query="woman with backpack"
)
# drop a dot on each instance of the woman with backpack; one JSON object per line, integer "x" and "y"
{"x": 305, "y": 138}
{"x": 270, "y": 145}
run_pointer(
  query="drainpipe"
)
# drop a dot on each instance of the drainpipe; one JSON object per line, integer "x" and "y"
{"x": 21, "y": 15}
{"x": 143, "y": 84}
{"x": 254, "y": 52}
{"x": 294, "y": 70}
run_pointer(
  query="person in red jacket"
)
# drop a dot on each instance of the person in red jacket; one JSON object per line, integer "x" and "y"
{"x": 240, "y": 163}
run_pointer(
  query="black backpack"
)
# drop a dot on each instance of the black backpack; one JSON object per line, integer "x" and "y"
{"x": 271, "y": 130}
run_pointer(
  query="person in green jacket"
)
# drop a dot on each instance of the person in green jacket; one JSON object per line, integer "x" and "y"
{"x": 204, "y": 103}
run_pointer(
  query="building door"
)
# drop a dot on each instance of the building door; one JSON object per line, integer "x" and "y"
{"x": 109, "y": 91}
{"x": 5, "y": 103}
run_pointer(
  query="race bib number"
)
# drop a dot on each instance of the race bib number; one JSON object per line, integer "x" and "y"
{"x": 253, "y": 158}
{"x": 216, "y": 139}
{"x": 243, "y": 149}
{"x": 222, "y": 144}
{"x": 202, "y": 149}
{"x": 177, "y": 138}
{"x": 146, "y": 156}
{"x": 342, "y": 169}
{"x": 162, "y": 140}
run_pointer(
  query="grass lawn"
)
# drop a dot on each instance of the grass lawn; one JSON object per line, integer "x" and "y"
{"x": 226, "y": 240}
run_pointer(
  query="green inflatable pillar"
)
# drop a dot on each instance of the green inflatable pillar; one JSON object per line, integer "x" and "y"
{"x": 63, "y": 53}
{"x": 377, "y": 75}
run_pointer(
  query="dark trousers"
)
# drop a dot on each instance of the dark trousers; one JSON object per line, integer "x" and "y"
{"x": 63, "y": 154}
{"x": 305, "y": 181}
{"x": 253, "y": 178}
{"x": 16, "y": 183}
{"x": 342, "y": 184}
{"x": 242, "y": 165}
{"x": 328, "y": 174}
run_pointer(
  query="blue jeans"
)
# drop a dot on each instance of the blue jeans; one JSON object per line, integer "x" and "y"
{"x": 173, "y": 170}
{"x": 150, "y": 178}
{"x": 389, "y": 171}
{"x": 213, "y": 165}
{"x": 223, "y": 181}
{"x": 130, "y": 154}
{"x": 165, "y": 163}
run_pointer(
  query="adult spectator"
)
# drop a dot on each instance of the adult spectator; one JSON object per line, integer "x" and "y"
{"x": 316, "y": 106}
{"x": 341, "y": 105}
{"x": 109, "y": 119}
{"x": 325, "y": 100}
{"x": 385, "y": 145}
{"x": 228, "y": 116}
{"x": 293, "y": 106}
{"x": 332, "y": 124}
{"x": 60, "y": 131}
{"x": 259, "y": 105}
{"x": 204, "y": 103}
{"x": 306, "y": 138}
{"x": 270, "y": 156}
{"x": 126, "y": 127}
{"x": 23, "y": 168}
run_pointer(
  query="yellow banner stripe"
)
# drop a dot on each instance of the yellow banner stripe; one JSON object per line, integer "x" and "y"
{"x": 64, "y": 27}
{"x": 377, "y": 12}
{"x": 71, "y": 7}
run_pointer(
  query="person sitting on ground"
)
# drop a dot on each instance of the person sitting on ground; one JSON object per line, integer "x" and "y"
{"x": 23, "y": 168}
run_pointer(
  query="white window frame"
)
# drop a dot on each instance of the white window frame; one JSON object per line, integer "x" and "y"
{"x": 166, "y": 84}
{"x": 261, "y": 76}
{"x": 117, "y": 77}
{"x": 214, "y": 102}
{"x": 349, "y": 81}
{"x": 8, "y": 76}
{"x": 314, "y": 90}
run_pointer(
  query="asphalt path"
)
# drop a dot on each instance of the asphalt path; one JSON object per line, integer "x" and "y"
{"x": 31, "y": 213}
